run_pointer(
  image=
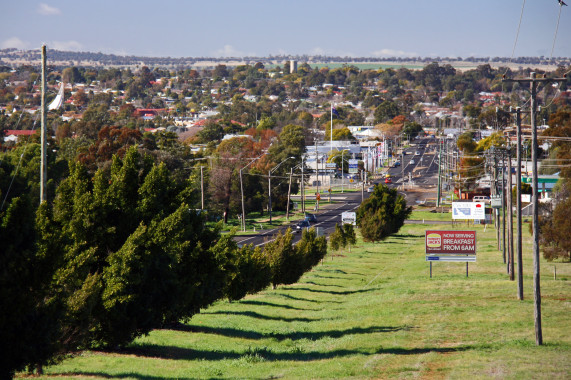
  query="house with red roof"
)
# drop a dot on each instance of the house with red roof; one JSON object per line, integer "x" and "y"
{"x": 15, "y": 134}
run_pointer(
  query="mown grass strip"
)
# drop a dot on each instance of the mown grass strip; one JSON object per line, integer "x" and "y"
{"x": 369, "y": 313}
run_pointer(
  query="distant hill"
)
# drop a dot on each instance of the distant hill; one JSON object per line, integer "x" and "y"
{"x": 57, "y": 58}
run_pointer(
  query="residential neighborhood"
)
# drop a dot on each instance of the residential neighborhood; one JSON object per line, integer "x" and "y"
{"x": 146, "y": 196}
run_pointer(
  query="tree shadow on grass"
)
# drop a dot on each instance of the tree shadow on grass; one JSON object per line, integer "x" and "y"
{"x": 303, "y": 299}
{"x": 339, "y": 293}
{"x": 181, "y": 353}
{"x": 263, "y": 303}
{"x": 331, "y": 270}
{"x": 330, "y": 277}
{"x": 315, "y": 283}
{"x": 406, "y": 236}
{"x": 424, "y": 350}
{"x": 298, "y": 335}
{"x": 126, "y": 375}
{"x": 253, "y": 314}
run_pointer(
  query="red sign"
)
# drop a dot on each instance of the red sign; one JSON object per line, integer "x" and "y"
{"x": 450, "y": 242}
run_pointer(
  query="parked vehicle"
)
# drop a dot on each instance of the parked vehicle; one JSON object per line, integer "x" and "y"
{"x": 388, "y": 180}
{"x": 481, "y": 198}
{"x": 397, "y": 163}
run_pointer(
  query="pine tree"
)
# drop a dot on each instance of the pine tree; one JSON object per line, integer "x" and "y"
{"x": 350, "y": 236}
{"x": 29, "y": 317}
{"x": 382, "y": 214}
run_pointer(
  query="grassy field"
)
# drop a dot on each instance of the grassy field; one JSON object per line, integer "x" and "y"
{"x": 372, "y": 312}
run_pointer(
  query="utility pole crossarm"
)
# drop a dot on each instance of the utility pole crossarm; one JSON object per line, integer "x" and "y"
{"x": 535, "y": 80}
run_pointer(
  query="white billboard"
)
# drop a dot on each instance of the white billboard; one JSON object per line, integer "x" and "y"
{"x": 348, "y": 217}
{"x": 468, "y": 210}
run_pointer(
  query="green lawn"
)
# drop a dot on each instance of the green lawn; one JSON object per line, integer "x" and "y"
{"x": 369, "y": 313}
{"x": 420, "y": 214}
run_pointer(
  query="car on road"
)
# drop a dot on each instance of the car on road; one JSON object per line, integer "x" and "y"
{"x": 370, "y": 189}
{"x": 301, "y": 225}
{"x": 417, "y": 153}
{"x": 396, "y": 163}
{"x": 388, "y": 180}
{"x": 411, "y": 162}
{"x": 311, "y": 218}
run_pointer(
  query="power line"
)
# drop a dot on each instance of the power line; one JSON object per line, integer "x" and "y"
{"x": 556, "y": 29}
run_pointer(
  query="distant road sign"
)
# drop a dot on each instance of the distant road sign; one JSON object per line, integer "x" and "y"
{"x": 353, "y": 166}
{"x": 349, "y": 217}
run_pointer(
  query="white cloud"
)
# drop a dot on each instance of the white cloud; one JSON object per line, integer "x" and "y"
{"x": 318, "y": 51}
{"x": 393, "y": 53}
{"x": 14, "y": 42}
{"x": 228, "y": 51}
{"x": 47, "y": 10}
{"x": 332, "y": 53}
{"x": 65, "y": 45}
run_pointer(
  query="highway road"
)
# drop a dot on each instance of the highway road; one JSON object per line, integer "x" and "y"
{"x": 326, "y": 219}
{"x": 420, "y": 165}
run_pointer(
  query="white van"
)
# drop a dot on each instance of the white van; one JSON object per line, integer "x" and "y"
{"x": 481, "y": 198}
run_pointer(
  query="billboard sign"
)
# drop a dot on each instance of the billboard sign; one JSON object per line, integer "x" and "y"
{"x": 353, "y": 166}
{"x": 450, "y": 246}
{"x": 349, "y": 218}
{"x": 331, "y": 165}
{"x": 497, "y": 202}
{"x": 468, "y": 210}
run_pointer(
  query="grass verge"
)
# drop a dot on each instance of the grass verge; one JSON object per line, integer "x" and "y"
{"x": 369, "y": 313}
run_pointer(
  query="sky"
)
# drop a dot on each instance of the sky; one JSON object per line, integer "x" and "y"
{"x": 355, "y": 28}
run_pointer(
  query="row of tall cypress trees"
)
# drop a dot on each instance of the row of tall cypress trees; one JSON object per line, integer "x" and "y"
{"x": 118, "y": 254}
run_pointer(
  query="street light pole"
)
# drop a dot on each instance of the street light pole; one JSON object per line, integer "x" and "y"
{"x": 302, "y": 187}
{"x": 270, "y": 186}
{"x": 242, "y": 192}
{"x": 202, "y": 186}
{"x": 342, "y": 174}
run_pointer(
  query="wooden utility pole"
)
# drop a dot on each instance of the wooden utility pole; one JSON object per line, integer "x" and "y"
{"x": 518, "y": 245}
{"x": 439, "y": 172}
{"x": 503, "y": 208}
{"x": 496, "y": 211}
{"x": 533, "y": 82}
{"x": 510, "y": 218}
{"x": 201, "y": 188}
{"x": 535, "y": 192}
{"x": 289, "y": 193}
{"x": 43, "y": 161}
{"x": 518, "y": 207}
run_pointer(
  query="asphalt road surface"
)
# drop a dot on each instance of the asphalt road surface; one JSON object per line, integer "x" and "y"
{"x": 326, "y": 219}
{"x": 416, "y": 180}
